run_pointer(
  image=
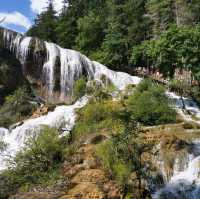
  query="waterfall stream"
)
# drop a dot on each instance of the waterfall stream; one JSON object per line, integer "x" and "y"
{"x": 185, "y": 181}
{"x": 72, "y": 66}
{"x": 61, "y": 117}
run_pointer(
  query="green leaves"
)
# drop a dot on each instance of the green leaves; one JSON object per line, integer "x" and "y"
{"x": 150, "y": 106}
{"x": 176, "y": 48}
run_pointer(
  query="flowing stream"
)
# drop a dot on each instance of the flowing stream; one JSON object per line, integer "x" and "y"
{"x": 185, "y": 181}
{"x": 62, "y": 117}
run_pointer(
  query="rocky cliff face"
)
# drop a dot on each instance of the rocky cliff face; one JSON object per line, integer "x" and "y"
{"x": 11, "y": 75}
{"x": 52, "y": 70}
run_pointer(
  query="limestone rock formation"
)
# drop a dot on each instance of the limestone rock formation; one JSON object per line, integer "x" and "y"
{"x": 52, "y": 70}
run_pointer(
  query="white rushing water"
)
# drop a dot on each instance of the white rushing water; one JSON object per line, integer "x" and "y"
{"x": 61, "y": 117}
{"x": 185, "y": 181}
{"x": 48, "y": 68}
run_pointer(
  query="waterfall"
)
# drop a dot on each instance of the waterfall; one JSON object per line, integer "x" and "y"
{"x": 48, "y": 68}
{"x": 72, "y": 65}
{"x": 71, "y": 70}
{"x": 17, "y": 44}
{"x": 185, "y": 181}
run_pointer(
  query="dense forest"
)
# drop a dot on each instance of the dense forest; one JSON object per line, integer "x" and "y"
{"x": 127, "y": 34}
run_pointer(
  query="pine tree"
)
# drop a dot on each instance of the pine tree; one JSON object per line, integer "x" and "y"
{"x": 91, "y": 28}
{"x": 45, "y": 24}
{"x": 114, "y": 47}
{"x": 161, "y": 13}
{"x": 67, "y": 24}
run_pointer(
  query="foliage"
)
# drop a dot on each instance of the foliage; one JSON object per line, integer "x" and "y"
{"x": 80, "y": 87}
{"x": 121, "y": 155}
{"x": 149, "y": 105}
{"x": 3, "y": 146}
{"x": 175, "y": 48}
{"x": 99, "y": 115}
{"x": 108, "y": 30}
{"x": 16, "y": 107}
{"x": 37, "y": 163}
{"x": 45, "y": 24}
{"x": 91, "y": 34}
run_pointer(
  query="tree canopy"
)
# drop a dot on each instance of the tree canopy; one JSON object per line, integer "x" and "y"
{"x": 126, "y": 34}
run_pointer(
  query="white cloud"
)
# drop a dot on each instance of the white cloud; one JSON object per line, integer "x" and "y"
{"x": 37, "y": 6}
{"x": 15, "y": 18}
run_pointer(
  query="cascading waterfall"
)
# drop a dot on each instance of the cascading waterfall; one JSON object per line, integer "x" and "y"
{"x": 185, "y": 181}
{"x": 72, "y": 65}
{"x": 17, "y": 44}
{"x": 71, "y": 69}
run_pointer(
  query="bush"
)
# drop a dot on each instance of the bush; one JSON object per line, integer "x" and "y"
{"x": 149, "y": 105}
{"x": 16, "y": 107}
{"x": 121, "y": 156}
{"x": 99, "y": 115}
{"x": 3, "y": 146}
{"x": 100, "y": 90}
{"x": 38, "y": 163}
{"x": 41, "y": 153}
{"x": 80, "y": 87}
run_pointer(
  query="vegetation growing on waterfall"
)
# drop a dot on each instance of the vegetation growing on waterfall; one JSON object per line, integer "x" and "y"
{"x": 147, "y": 105}
{"x": 80, "y": 88}
{"x": 40, "y": 163}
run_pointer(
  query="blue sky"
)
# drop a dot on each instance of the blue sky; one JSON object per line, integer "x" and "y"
{"x": 19, "y": 14}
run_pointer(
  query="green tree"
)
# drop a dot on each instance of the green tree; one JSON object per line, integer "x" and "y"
{"x": 37, "y": 163}
{"x": 45, "y": 24}
{"x": 90, "y": 32}
{"x": 122, "y": 155}
{"x": 177, "y": 48}
{"x": 161, "y": 13}
{"x": 115, "y": 48}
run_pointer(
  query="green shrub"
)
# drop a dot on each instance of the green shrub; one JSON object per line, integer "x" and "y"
{"x": 122, "y": 172}
{"x": 80, "y": 87}
{"x": 38, "y": 163}
{"x": 100, "y": 90}
{"x": 99, "y": 115}
{"x": 121, "y": 155}
{"x": 16, "y": 107}
{"x": 104, "y": 152}
{"x": 149, "y": 105}
{"x": 3, "y": 146}
{"x": 41, "y": 153}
